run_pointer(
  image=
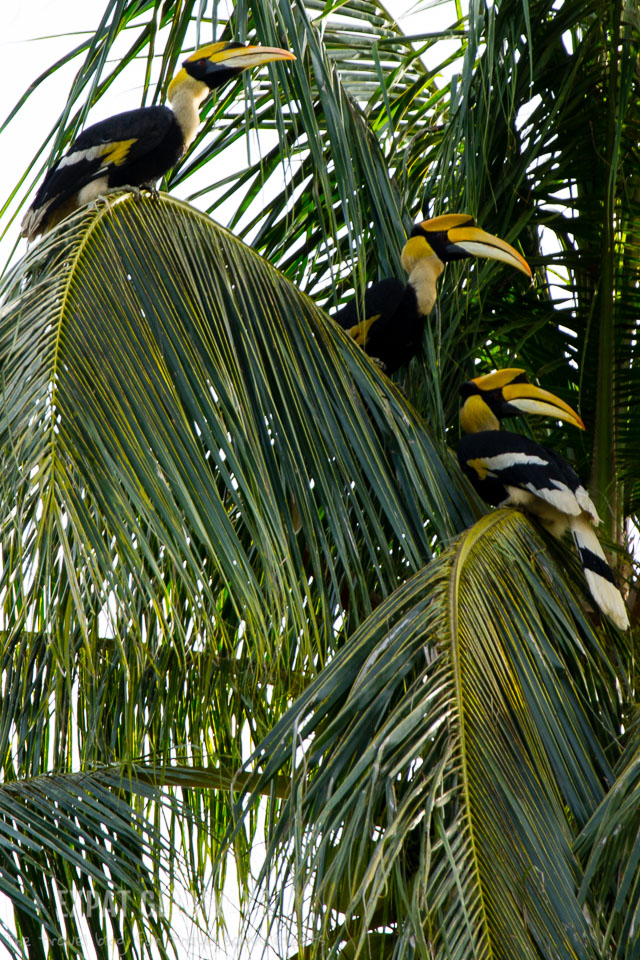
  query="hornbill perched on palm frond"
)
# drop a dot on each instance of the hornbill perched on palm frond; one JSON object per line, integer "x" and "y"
{"x": 508, "y": 469}
{"x": 135, "y": 148}
{"x": 391, "y": 328}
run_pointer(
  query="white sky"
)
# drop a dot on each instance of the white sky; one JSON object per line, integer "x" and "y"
{"x": 23, "y": 60}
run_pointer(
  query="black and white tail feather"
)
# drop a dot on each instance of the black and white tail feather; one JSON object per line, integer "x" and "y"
{"x": 597, "y": 571}
{"x": 512, "y": 470}
{"x": 560, "y": 501}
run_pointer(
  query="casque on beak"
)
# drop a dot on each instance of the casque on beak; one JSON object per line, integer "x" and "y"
{"x": 455, "y": 237}
{"x": 511, "y": 385}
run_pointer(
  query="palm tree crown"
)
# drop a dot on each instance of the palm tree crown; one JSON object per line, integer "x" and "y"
{"x": 250, "y": 601}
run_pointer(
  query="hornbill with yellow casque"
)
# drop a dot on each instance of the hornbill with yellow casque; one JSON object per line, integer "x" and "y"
{"x": 136, "y": 148}
{"x": 508, "y": 469}
{"x": 391, "y": 328}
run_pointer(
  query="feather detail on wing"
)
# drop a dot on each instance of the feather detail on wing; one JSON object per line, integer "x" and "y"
{"x": 378, "y": 299}
{"x": 507, "y": 467}
{"x": 113, "y": 152}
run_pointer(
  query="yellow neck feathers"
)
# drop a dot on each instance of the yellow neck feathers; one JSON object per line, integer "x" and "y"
{"x": 475, "y": 416}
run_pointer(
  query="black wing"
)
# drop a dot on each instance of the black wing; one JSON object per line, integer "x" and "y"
{"x": 379, "y": 298}
{"x": 119, "y": 142}
{"x": 392, "y": 327}
{"x": 496, "y": 459}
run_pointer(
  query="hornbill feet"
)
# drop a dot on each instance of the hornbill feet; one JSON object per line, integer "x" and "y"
{"x": 149, "y": 189}
{"x": 135, "y": 190}
{"x": 381, "y": 365}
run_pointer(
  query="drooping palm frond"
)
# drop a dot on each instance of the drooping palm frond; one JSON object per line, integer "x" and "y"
{"x": 205, "y": 485}
{"x": 160, "y": 374}
{"x": 86, "y": 862}
{"x": 434, "y": 794}
{"x": 608, "y": 846}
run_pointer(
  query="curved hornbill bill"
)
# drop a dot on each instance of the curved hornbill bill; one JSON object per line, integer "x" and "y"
{"x": 391, "y": 327}
{"x": 136, "y": 148}
{"x": 512, "y": 470}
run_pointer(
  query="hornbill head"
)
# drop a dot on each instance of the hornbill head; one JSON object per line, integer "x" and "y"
{"x": 489, "y": 399}
{"x": 455, "y": 236}
{"x": 216, "y": 63}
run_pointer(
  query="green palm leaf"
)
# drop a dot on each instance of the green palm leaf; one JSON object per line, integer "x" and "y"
{"x": 200, "y": 475}
{"x": 182, "y": 395}
{"x": 608, "y": 845}
{"x": 84, "y": 860}
{"x": 433, "y": 791}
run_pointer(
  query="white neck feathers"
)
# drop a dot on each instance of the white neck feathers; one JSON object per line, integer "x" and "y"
{"x": 186, "y": 98}
{"x": 422, "y": 277}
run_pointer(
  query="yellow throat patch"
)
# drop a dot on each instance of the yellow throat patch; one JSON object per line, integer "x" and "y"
{"x": 476, "y": 416}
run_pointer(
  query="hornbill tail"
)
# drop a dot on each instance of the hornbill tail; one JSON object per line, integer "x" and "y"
{"x": 597, "y": 571}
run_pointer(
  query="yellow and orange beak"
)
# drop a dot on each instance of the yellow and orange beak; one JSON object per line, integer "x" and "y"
{"x": 518, "y": 396}
{"x": 237, "y": 56}
{"x": 455, "y": 236}
{"x": 216, "y": 63}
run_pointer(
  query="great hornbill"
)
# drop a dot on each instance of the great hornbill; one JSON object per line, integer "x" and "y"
{"x": 509, "y": 469}
{"x": 390, "y": 328}
{"x": 135, "y": 148}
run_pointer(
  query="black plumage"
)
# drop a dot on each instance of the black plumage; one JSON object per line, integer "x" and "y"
{"x": 389, "y": 324}
{"x": 393, "y": 326}
{"x": 495, "y": 460}
{"x": 133, "y": 148}
{"x": 137, "y": 147}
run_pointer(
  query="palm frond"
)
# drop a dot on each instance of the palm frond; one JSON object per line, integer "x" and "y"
{"x": 205, "y": 485}
{"x": 87, "y": 859}
{"x": 608, "y": 845}
{"x": 433, "y": 793}
{"x": 165, "y": 365}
